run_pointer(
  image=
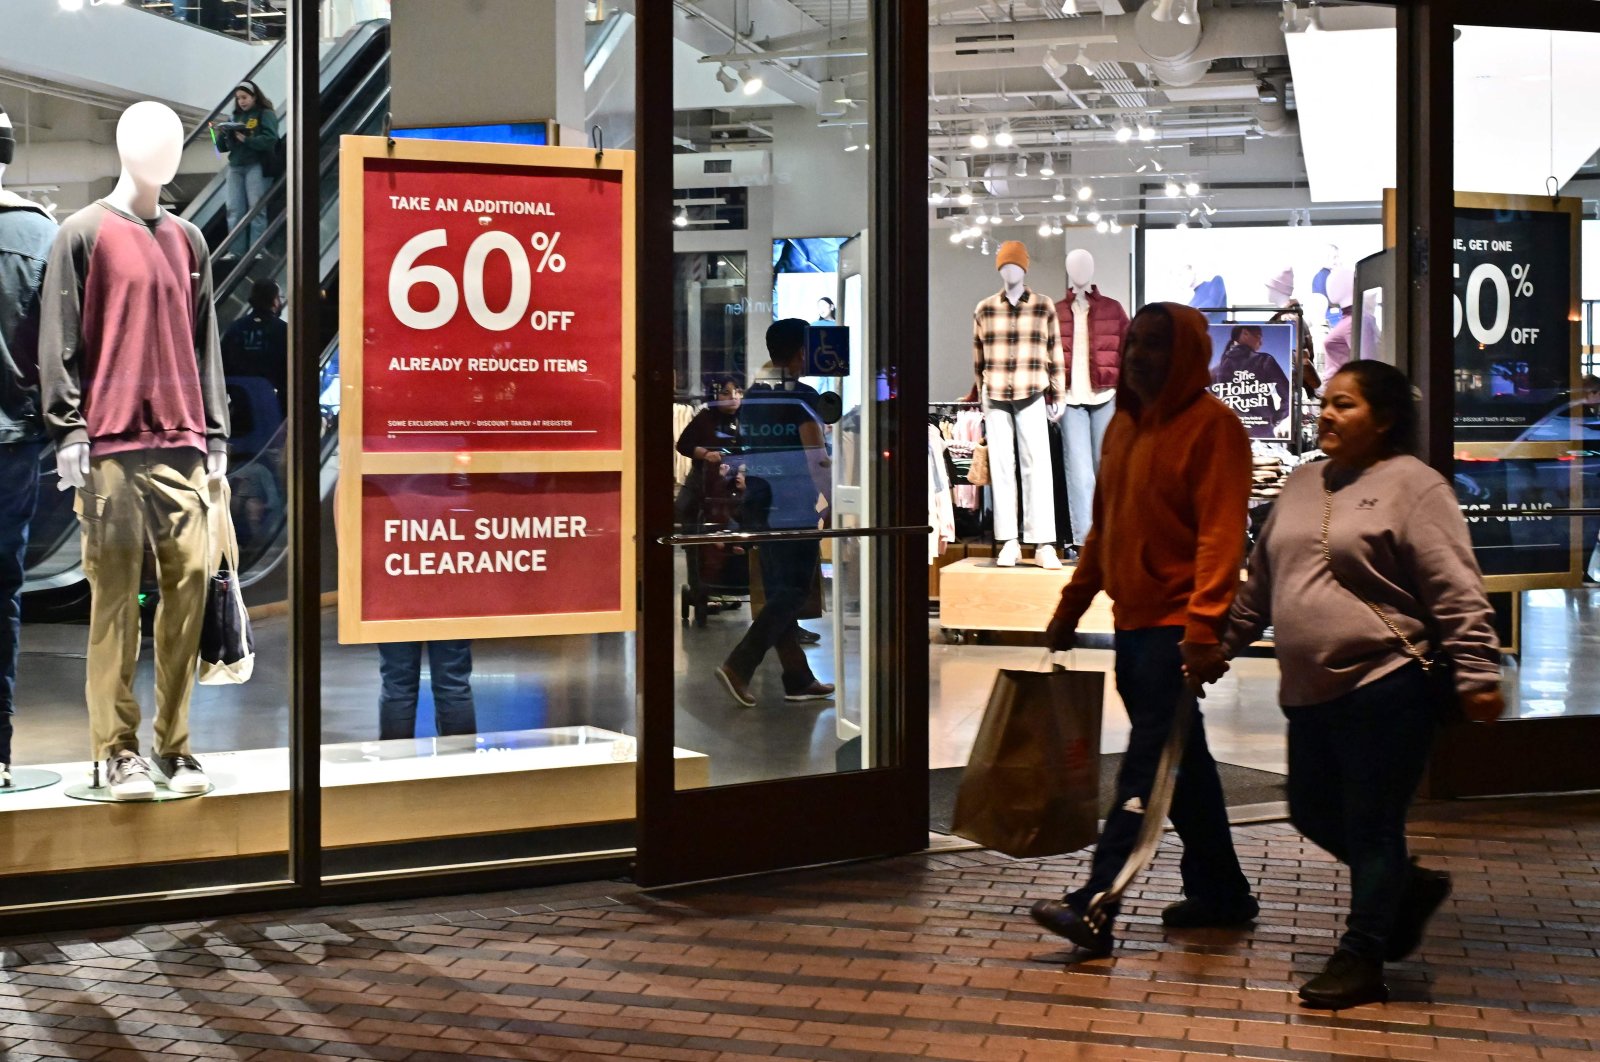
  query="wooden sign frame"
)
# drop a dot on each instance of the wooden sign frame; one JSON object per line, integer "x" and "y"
{"x": 355, "y": 463}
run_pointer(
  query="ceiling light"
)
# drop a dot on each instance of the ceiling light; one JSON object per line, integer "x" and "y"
{"x": 1192, "y": 188}
{"x": 726, "y": 79}
{"x": 834, "y": 91}
{"x": 1183, "y": 224}
{"x": 681, "y": 218}
{"x": 1188, "y": 15}
{"x": 1047, "y": 168}
{"x": 1004, "y": 138}
{"x": 980, "y": 218}
{"x": 753, "y": 82}
{"x": 1290, "y": 22}
{"x": 959, "y": 171}
{"x": 1194, "y": 212}
{"x": 1116, "y": 225}
{"x": 1147, "y": 132}
{"x": 1021, "y": 168}
{"x": 1205, "y": 222}
{"x": 1124, "y": 131}
{"x": 1162, "y": 11}
{"x": 1085, "y": 192}
{"x": 1157, "y": 164}
{"x": 965, "y": 197}
{"x": 1069, "y": 7}
{"x": 1056, "y": 229}
{"x": 956, "y": 235}
{"x": 1083, "y": 62}
{"x": 1045, "y": 228}
{"x": 984, "y": 247}
{"x": 1060, "y": 194}
{"x": 1072, "y": 217}
{"x": 1102, "y": 227}
{"x": 1093, "y": 216}
{"x": 979, "y": 139}
{"x": 1016, "y": 212}
{"x": 1172, "y": 190}
{"x": 1208, "y": 208}
{"x": 850, "y": 141}
{"x": 1314, "y": 18}
{"x": 936, "y": 196}
{"x": 1145, "y": 165}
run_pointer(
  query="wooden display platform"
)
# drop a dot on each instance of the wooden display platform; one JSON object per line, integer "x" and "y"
{"x": 374, "y": 792}
{"x": 974, "y": 595}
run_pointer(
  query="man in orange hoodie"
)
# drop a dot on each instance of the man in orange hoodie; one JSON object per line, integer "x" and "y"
{"x": 1167, "y": 542}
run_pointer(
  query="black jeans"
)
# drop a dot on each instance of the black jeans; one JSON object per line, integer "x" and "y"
{"x": 787, "y": 569}
{"x": 19, "y": 494}
{"x": 450, "y": 675}
{"x": 1354, "y": 765}
{"x": 1150, "y": 680}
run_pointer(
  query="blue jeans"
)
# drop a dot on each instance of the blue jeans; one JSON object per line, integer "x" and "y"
{"x": 1083, "y": 430}
{"x": 1150, "y": 680}
{"x": 246, "y": 186}
{"x": 450, "y": 675}
{"x": 19, "y": 493}
{"x": 1354, "y": 765}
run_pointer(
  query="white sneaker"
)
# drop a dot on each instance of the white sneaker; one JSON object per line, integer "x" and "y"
{"x": 5, "y": 776}
{"x": 183, "y": 774}
{"x": 1045, "y": 557}
{"x": 128, "y": 776}
{"x": 1010, "y": 553}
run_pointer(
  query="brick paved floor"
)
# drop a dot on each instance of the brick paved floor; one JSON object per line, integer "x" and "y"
{"x": 929, "y": 956}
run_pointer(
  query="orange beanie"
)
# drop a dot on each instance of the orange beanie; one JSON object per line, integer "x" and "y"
{"x": 1012, "y": 252}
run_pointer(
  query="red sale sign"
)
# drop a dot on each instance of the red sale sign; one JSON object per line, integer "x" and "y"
{"x": 486, "y": 429}
{"x": 491, "y": 307}
{"x": 478, "y": 544}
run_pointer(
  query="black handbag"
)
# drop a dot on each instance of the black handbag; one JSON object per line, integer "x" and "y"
{"x": 227, "y": 646}
{"x": 1437, "y": 666}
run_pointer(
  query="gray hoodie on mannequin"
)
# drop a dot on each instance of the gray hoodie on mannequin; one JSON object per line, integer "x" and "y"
{"x": 26, "y": 231}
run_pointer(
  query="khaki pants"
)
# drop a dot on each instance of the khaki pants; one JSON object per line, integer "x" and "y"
{"x": 159, "y": 496}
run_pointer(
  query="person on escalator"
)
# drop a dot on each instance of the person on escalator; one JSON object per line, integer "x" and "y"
{"x": 257, "y": 344}
{"x": 250, "y": 140}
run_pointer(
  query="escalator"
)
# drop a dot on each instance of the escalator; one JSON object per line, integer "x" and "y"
{"x": 355, "y": 95}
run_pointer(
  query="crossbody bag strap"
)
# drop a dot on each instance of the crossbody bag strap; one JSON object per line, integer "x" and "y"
{"x": 1327, "y": 556}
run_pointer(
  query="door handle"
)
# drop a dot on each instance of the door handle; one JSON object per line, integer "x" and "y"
{"x": 758, "y": 537}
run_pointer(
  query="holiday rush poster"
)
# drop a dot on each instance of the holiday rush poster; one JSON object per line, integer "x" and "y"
{"x": 492, "y": 308}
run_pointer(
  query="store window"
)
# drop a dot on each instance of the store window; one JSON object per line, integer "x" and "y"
{"x": 1220, "y": 157}
{"x": 478, "y": 690}
{"x": 140, "y": 448}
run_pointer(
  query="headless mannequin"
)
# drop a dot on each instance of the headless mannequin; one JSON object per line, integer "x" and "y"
{"x": 1341, "y": 293}
{"x": 150, "y": 145}
{"x": 1011, "y": 440}
{"x": 1088, "y": 411}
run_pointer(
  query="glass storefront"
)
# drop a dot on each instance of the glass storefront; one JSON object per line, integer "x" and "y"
{"x": 584, "y": 444}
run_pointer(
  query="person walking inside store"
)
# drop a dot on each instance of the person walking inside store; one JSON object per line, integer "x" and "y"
{"x": 1363, "y": 570}
{"x": 711, "y": 489}
{"x": 450, "y": 675}
{"x": 787, "y": 486}
{"x": 250, "y": 139}
{"x": 1166, "y": 546}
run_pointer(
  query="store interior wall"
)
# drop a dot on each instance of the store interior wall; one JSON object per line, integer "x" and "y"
{"x": 820, "y": 190}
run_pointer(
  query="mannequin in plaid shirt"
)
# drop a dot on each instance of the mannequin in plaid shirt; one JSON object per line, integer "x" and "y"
{"x": 1020, "y": 376}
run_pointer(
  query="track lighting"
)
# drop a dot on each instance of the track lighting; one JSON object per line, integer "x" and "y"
{"x": 936, "y": 196}
{"x": 1192, "y": 188}
{"x": 1083, "y": 62}
{"x": 1172, "y": 190}
{"x": 1162, "y": 12}
{"x": 1194, "y": 212}
{"x": 1116, "y": 225}
{"x": 1184, "y": 224}
{"x": 1124, "y": 131}
{"x": 1147, "y": 132}
{"x": 1021, "y": 167}
{"x": 1044, "y": 228}
{"x": 681, "y": 218}
{"x": 1072, "y": 217}
{"x": 956, "y": 235}
{"x": 1069, "y": 8}
{"x": 1094, "y": 217}
{"x": 1004, "y": 138}
{"x": 850, "y": 141}
{"x": 1016, "y": 212}
{"x": 1085, "y": 192}
{"x": 1208, "y": 208}
{"x": 1188, "y": 12}
{"x": 965, "y": 197}
{"x": 1056, "y": 229}
{"x": 1060, "y": 194}
{"x": 726, "y": 79}
{"x": 753, "y": 81}
{"x": 1102, "y": 227}
{"x": 1047, "y": 168}
{"x": 979, "y": 139}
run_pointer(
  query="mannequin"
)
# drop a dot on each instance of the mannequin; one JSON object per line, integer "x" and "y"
{"x": 1092, "y": 327}
{"x": 1341, "y": 293}
{"x": 1019, "y": 376}
{"x": 1205, "y": 294}
{"x": 1280, "y": 293}
{"x": 26, "y": 230}
{"x": 131, "y": 375}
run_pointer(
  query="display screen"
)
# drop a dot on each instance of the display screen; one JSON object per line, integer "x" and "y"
{"x": 805, "y": 279}
{"x": 1252, "y": 371}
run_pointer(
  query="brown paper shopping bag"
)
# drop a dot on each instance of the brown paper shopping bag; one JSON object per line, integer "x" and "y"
{"x": 1032, "y": 784}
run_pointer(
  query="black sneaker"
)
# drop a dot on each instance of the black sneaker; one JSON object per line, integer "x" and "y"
{"x": 184, "y": 773}
{"x": 1207, "y": 914}
{"x": 1425, "y": 891}
{"x": 1064, "y": 920}
{"x": 806, "y": 637}
{"x": 1347, "y": 981}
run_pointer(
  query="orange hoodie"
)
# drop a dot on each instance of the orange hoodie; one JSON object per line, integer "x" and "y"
{"x": 1171, "y": 501}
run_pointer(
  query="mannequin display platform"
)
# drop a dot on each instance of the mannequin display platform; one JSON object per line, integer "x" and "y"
{"x": 134, "y": 394}
{"x": 1092, "y": 327}
{"x": 1019, "y": 376}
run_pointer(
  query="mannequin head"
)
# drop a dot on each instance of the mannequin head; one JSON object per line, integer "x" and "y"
{"x": 7, "y": 144}
{"x": 1080, "y": 268}
{"x": 1012, "y": 261}
{"x": 1280, "y": 288}
{"x": 1342, "y": 286}
{"x": 150, "y": 143}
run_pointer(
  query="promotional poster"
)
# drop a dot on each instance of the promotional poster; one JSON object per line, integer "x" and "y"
{"x": 1252, "y": 370}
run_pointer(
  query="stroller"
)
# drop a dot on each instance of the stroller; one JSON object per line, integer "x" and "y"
{"x": 718, "y": 575}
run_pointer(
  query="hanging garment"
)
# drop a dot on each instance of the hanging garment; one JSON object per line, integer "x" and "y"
{"x": 941, "y": 513}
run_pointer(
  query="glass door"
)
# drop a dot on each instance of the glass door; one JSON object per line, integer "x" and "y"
{"x": 773, "y": 624}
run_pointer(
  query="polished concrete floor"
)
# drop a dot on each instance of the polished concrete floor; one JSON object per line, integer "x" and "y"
{"x": 522, "y": 684}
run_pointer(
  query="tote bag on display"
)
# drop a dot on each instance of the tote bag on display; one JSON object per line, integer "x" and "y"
{"x": 227, "y": 649}
{"x": 1031, "y": 787}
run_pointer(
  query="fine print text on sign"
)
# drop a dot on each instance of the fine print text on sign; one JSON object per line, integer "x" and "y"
{"x": 492, "y": 309}
{"x": 490, "y": 544}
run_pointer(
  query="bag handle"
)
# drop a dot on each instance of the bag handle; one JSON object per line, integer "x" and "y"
{"x": 1327, "y": 556}
{"x": 230, "y": 537}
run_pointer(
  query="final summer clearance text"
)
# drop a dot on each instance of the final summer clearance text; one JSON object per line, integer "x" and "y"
{"x": 495, "y": 529}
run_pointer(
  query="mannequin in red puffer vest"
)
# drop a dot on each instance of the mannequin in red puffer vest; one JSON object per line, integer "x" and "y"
{"x": 1092, "y": 327}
